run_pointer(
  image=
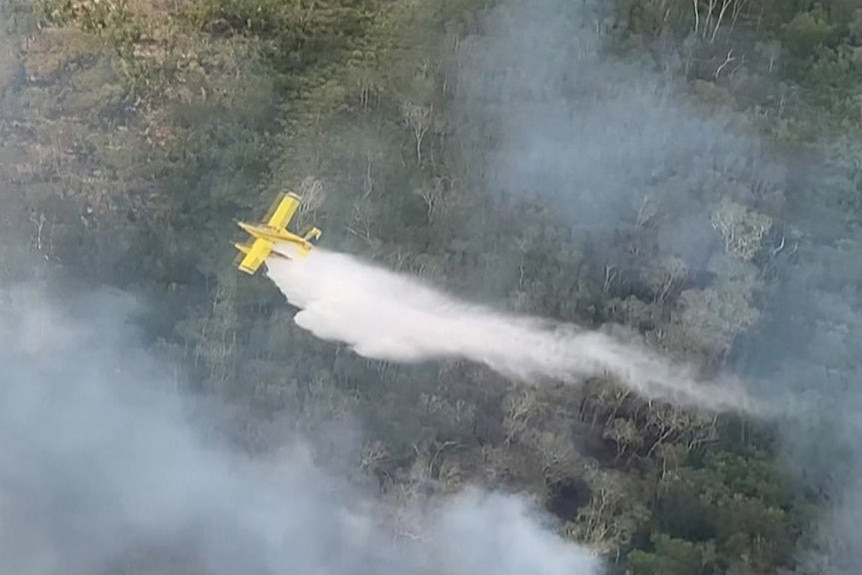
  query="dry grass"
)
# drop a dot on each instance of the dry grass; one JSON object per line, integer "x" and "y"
{"x": 51, "y": 51}
{"x": 8, "y": 65}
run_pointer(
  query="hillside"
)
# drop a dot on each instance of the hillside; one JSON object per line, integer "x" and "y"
{"x": 692, "y": 174}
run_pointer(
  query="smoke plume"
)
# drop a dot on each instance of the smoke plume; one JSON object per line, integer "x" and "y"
{"x": 103, "y": 468}
{"x": 610, "y": 144}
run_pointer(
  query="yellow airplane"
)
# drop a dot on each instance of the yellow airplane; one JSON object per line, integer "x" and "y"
{"x": 273, "y": 231}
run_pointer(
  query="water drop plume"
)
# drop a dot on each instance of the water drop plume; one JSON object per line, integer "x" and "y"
{"x": 389, "y": 316}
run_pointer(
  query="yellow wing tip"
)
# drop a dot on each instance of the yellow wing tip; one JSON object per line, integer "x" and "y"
{"x": 250, "y": 270}
{"x": 240, "y": 260}
{"x": 279, "y": 197}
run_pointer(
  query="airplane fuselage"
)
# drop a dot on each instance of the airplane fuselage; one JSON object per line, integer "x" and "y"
{"x": 275, "y": 236}
{"x": 273, "y": 231}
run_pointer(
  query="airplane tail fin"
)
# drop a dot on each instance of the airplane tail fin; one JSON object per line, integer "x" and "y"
{"x": 312, "y": 235}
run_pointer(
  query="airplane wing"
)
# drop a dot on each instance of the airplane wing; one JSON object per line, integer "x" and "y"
{"x": 274, "y": 231}
{"x": 255, "y": 254}
{"x": 285, "y": 207}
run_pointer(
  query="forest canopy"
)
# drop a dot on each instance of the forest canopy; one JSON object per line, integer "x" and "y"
{"x": 688, "y": 170}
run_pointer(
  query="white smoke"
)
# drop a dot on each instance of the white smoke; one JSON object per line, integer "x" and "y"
{"x": 101, "y": 471}
{"x": 519, "y": 543}
{"x": 387, "y": 316}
